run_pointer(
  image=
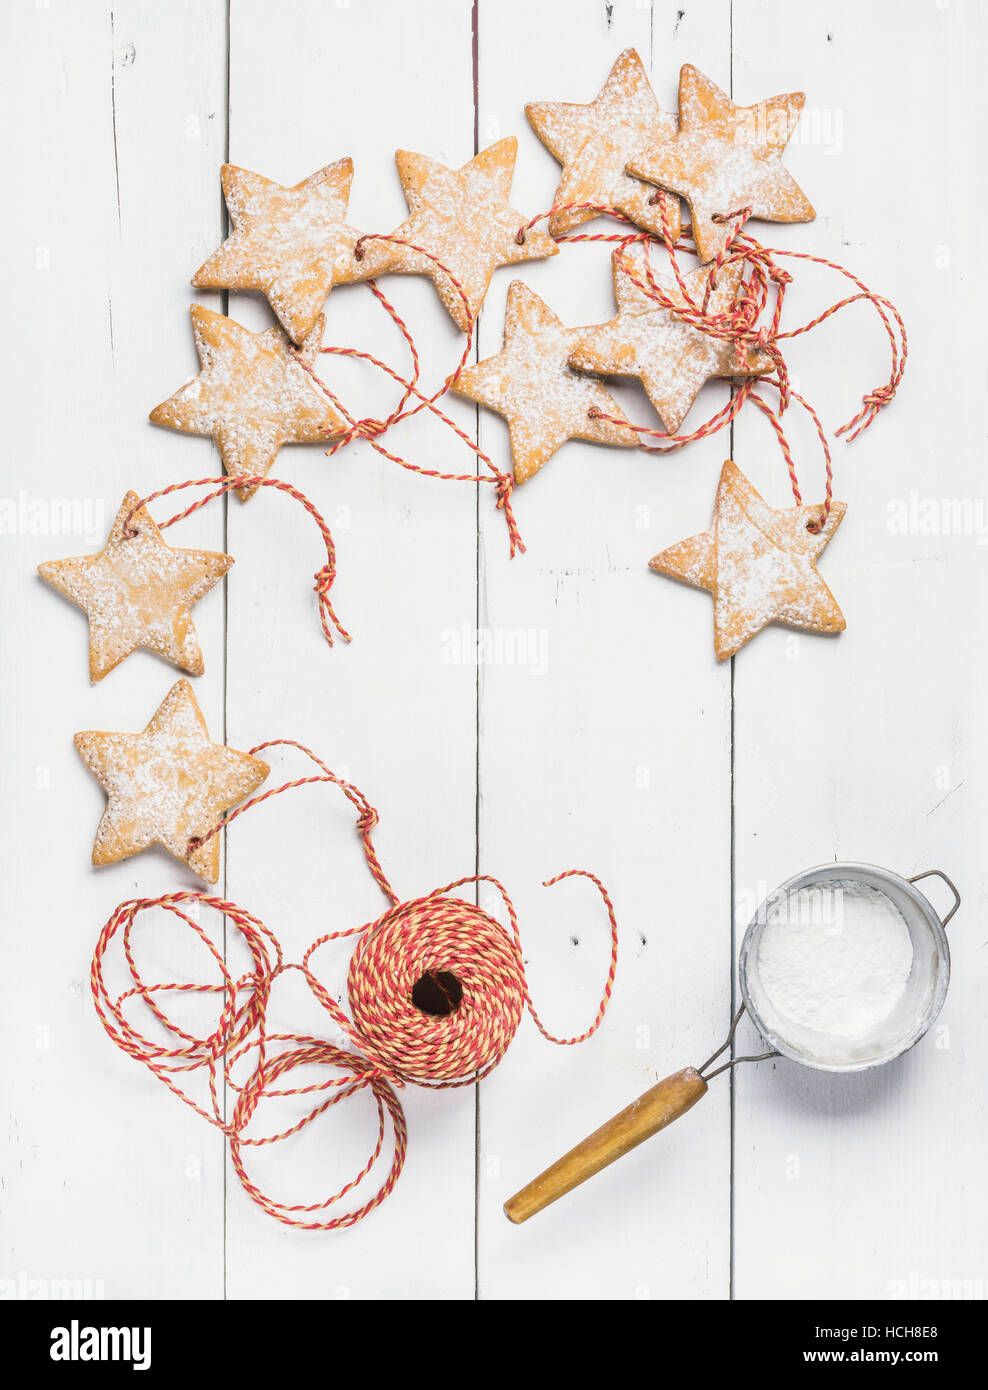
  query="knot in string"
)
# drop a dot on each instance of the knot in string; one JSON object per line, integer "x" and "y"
{"x": 872, "y": 403}
{"x": 504, "y": 485}
{"x": 364, "y": 429}
{"x": 413, "y": 399}
{"x": 740, "y": 216}
{"x": 324, "y": 580}
{"x": 763, "y": 340}
{"x": 738, "y": 324}
{"x": 324, "y": 577}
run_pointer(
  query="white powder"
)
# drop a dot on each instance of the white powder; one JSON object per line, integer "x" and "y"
{"x": 835, "y": 957}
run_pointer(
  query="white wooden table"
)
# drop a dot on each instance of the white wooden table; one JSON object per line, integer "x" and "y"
{"x": 687, "y": 786}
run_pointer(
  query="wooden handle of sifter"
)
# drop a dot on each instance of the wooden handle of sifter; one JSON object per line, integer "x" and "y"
{"x": 644, "y": 1117}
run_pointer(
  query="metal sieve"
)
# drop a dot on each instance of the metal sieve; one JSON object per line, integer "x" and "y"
{"x": 910, "y": 1018}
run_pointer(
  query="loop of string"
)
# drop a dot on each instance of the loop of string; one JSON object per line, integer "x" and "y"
{"x": 367, "y": 817}
{"x": 739, "y": 323}
{"x": 385, "y": 1041}
{"x": 372, "y": 429}
{"x": 324, "y": 577}
{"x": 240, "y": 1033}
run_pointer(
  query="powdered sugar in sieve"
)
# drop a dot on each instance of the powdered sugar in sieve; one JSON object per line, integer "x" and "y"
{"x": 835, "y": 960}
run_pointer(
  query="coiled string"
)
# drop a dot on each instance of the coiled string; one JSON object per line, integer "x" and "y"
{"x": 474, "y": 964}
{"x": 436, "y": 988}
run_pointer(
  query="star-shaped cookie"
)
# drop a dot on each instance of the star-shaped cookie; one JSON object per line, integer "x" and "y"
{"x": 594, "y": 143}
{"x": 138, "y": 591}
{"x": 292, "y": 244}
{"x": 251, "y": 395}
{"x": 726, "y": 157}
{"x": 529, "y": 383}
{"x": 168, "y": 785}
{"x": 672, "y": 359}
{"x": 464, "y": 219}
{"x": 759, "y": 564}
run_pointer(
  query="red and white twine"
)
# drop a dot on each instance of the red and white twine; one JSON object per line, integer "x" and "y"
{"x": 741, "y": 323}
{"x": 388, "y": 1039}
{"x": 324, "y": 576}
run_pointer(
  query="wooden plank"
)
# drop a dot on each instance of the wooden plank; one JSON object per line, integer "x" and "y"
{"x": 119, "y": 114}
{"x": 609, "y": 750}
{"x": 605, "y": 727}
{"x": 311, "y": 82}
{"x": 872, "y": 746}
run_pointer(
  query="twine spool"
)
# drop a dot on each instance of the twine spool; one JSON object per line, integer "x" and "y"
{"x": 477, "y": 984}
{"x": 436, "y": 988}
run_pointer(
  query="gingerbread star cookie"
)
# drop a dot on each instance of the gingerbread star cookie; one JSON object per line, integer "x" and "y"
{"x": 252, "y": 395}
{"x": 138, "y": 591}
{"x": 595, "y": 142}
{"x": 671, "y": 358}
{"x": 168, "y": 785}
{"x": 464, "y": 219}
{"x": 759, "y": 564}
{"x": 292, "y": 244}
{"x": 726, "y": 157}
{"x": 529, "y": 383}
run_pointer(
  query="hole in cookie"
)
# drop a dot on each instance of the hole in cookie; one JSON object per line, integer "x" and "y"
{"x": 193, "y": 844}
{"x": 520, "y": 236}
{"x": 437, "y": 993}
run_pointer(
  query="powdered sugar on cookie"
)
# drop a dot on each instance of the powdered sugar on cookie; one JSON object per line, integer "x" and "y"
{"x": 726, "y": 157}
{"x": 671, "y": 358}
{"x": 252, "y": 395}
{"x": 530, "y": 384}
{"x": 292, "y": 244}
{"x": 138, "y": 591}
{"x": 595, "y": 142}
{"x": 463, "y": 219}
{"x": 168, "y": 785}
{"x": 759, "y": 564}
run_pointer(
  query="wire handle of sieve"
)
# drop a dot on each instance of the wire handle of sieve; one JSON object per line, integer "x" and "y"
{"x": 939, "y": 873}
{"x": 726, "y": 1066}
